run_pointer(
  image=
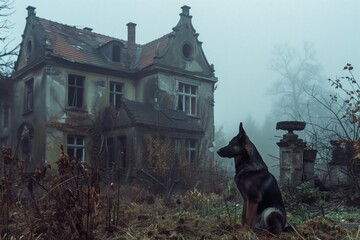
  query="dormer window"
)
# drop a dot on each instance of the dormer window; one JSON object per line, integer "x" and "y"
{"x": 115, "y": 57}
{"x": 112, "y": 51}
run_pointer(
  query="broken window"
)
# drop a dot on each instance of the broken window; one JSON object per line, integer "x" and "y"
{"x": 75, "y": 91}
{"x": 116, "y": 93}
{"x": 76, "y": 147}
{"x": 187, "y": 99}
{"x": 6, "y": 115}
{"x": 190, "y": 150}
{"x": 29, "y": 96}
{"x": 115, "y": 53}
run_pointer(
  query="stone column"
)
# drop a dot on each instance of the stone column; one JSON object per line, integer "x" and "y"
{"x": 291, "y": 153}
{"x": 309, "y": 165}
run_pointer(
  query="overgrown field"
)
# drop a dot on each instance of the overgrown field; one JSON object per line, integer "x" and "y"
{"x": 77, "y": 204}
{"x": 208, "y": 216}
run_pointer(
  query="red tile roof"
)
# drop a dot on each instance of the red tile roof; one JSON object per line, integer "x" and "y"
{"x": 83, "y": 46}
{"x": 153, "y": 49}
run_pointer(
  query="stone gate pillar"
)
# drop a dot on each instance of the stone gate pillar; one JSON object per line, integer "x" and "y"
{"x": 291, "y": 153}
{"x": 309, "y": 165}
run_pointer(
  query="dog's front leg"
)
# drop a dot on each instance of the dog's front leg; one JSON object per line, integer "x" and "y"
{"x": 251, "y": 208}
{"x": 243, "y": 214}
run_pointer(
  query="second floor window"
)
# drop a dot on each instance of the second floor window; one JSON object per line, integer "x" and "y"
{"x": 75, "y": 91}
{"x": 187, "y": 99}
{"x": 76, "y": 147}
{"x": 29, "y": 96}
{"x": 116, "y": 93}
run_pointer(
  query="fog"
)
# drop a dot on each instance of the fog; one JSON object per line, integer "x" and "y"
{"x": 238, "y": 38}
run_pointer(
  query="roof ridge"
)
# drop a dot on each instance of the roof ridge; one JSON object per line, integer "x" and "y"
{"x": 81, "y": 29}
{"x": 166, "y": 35}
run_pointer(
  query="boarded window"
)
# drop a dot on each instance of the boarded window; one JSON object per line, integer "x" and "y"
{"x": 75, "y": 91}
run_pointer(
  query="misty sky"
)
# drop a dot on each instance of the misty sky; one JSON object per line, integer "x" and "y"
{"x": 238, "y": 38}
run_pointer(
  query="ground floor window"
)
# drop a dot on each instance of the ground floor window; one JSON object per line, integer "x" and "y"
{"x": 76, "y": 147}
{"x": 190, "y": 150}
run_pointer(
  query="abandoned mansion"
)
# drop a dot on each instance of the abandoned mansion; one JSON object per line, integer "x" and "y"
{"x": 110, "y": 102}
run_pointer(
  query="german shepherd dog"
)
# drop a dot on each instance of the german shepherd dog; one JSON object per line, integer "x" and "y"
{"x": 263, "y": 206}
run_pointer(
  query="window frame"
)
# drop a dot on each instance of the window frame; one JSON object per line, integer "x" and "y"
{"x": 76, "y": 146}
{"x": 114, "y": 95}
{"x": 29, "y": 95}
{"x": 191, "y": 150}
{"x": 188, "y": 98}
{"x": 75, "y": 89}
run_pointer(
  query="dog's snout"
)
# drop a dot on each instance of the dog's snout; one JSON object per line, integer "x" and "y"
{"x": 221, "y": 152}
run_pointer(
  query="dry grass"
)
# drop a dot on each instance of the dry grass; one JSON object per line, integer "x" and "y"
{"x": 68, "y": 205}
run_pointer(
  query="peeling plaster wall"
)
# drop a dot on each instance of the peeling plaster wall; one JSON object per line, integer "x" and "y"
{"x": 54, "y": 139}
{"x": 96, "y": 97}
{"x": 96, "y": 90}
{"x": 35, "y": 118}
{"x": 163, "y": 87}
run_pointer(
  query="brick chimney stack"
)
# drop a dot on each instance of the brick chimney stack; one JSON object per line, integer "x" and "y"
{"x": 131, "y": 34}
{"x": 131, "y": 43}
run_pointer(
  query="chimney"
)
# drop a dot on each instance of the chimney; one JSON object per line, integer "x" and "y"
{"x": 131, "y": 34}
{"x": 31, "y": 11}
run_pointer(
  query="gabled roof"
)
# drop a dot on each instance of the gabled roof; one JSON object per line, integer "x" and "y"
{"x": 44, "y": 40}
{"x": 83, "y": 46}
{"x": 142, "y": 114}
{"x": 153, "y": 49}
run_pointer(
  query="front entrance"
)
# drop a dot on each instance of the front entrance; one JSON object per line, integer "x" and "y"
{"x": 116, "y": 158}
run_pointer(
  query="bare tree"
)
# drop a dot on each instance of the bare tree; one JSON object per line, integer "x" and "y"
{"x": 7, "y": 51}
{"x": 298, "y": 74}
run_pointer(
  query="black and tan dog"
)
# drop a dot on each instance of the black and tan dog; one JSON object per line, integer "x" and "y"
{"x": 263, "y": 206}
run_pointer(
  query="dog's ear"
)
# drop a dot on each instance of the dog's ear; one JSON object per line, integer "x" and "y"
{"x": 242, "y": 135}
{"x": 241, "y": 129}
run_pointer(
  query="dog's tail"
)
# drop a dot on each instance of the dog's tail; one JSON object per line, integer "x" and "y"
{"x": 273, "y": 219}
